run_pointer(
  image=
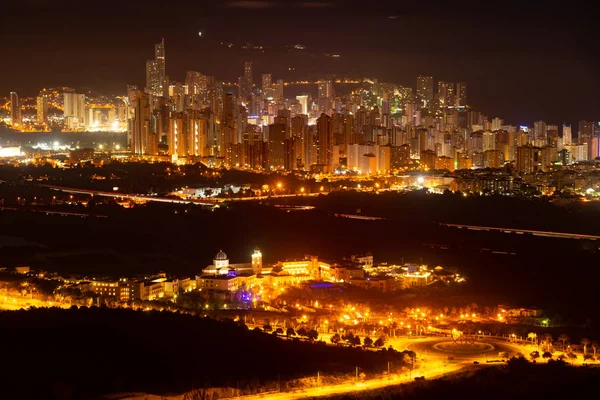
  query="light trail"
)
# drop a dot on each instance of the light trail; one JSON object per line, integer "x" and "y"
{"x": 560, "y": 235}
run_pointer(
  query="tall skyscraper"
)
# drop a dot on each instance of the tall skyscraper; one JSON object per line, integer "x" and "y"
{"x": 248, "y": 74}
{"x": 159, "y": 56}
{"x": 424, "y": 89}
{"x": 267, "y": 85}
{"x": 303, "y": 100}
{"x": 585, "y": 131}
{"x": 153, "y": 78}
{"x": 42, "y": 109}
{"x": 15, "y": 109}
{"x": 325, "y": 140}
{"x": 143, "y": 139}
{"x": 326, "y": 95}
{"x": 461, "y": 94}
{"x": 74, "y": 110}
{"x": 567, "y": 136}
{"x": 156, "y": 79}
{"x": 443, "y": 94}
{"x": 279, "y": 89}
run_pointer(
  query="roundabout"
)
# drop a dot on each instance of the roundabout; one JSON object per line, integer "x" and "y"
{"x": 480, "y": 349}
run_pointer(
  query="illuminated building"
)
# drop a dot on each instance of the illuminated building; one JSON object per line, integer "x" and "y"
{"x": 461, "y": 94}
{"x": 267, "y": 85}
{"x": 221, "y": 265}
{"x": 324, "y": 140}
{"x": 277, "y": 146}
{"x": 493, "y": 159}
{"x": 416, "y": 276}
{"x": 585, "y": 131}
{"x": 427, "y": 159}
{"x": 279, "y": 90}
{"x": 386, "y": 284}
{"x": 528, "y": 159}
{"x": 325, "y": 96}
{"x": 303, "y": 100}
{"x": 15, "y": 109}
{"x": 425, "y": 89}
{"x": 42, "y": 109}
{"x": 74, "y": 110}
{"x": 257, "y": 261}
{"x": 445, "y": 94}
{"x": 144, "y": 139}
{"x": 156, "y": 79}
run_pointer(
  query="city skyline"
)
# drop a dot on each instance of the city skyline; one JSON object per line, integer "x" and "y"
{"x": 514, "y": 70}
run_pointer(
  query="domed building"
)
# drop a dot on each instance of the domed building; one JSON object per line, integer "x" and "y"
{"x": 221, "y": 261}
{"x": 221, "y": 265}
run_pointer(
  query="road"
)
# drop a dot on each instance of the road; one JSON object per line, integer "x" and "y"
{"x": 434, "y": 371}
{"x": 560, "y": 235}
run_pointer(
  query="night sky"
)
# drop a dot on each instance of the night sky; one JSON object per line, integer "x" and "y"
{"x": 521, "y": 64}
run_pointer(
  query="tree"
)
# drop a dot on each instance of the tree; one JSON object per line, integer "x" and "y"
{"x": 335, "y": 339}
{"x": 547, "y": 355}
{"x": 380, "y": 342}
{"x": 547, "y": 338}
{"x": 585, "y": 342}
{"x": 290, "y": 332}
{"x": 595, "y": 347}
{"x": 532, "y": 336}
{"x": 279, "y": 331}
{"x": 564, "y": 339}
{"x": 534, "y": 355}
{"x": 368, "y": 342}
{"x": 267, "y": 328}
{"x": 313, "y": 334}
{"x": 355, "y": 341}
{"x": 302, "y": 332}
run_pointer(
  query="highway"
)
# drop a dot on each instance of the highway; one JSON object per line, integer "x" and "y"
{"x": 429, "y": 373}
{"x": 560, "y": 235}
{"x": 138, "y": 197}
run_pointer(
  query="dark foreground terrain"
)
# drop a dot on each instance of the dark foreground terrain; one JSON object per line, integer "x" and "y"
{"x": 88, "y": 352}
{"x": 517, "y": 380}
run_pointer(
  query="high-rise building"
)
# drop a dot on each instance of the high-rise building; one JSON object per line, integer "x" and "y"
{"x": 248, "y": 74}
{"x": 586, "y": 130}
{"x": 445, "y": 94}
{"x": 528, "y": 159}
{"x": 303, "y": 100}
{"x": 324, "y": 140}
{"x": 326, "y": 95}
{"x": 74, "y": 110}
{"x": 267, "y": 85}
{"x": 42, "y": 109}
{"x": 157, "y": 82}
{"x": 461, "y": 94}
{"x": 279, "y": 89}
{"x": 277, "y": 146}
{"x": 424, "y": 90}
{"x": 15, "y": 109}
{"x": 144, "y": 139}
{"x": 195, "y": 82}
{"x": 159, "y": 56}
{"x": 497, "y": 124}
{"x": 153, "y": 78}
{"x": 567, "y": 136}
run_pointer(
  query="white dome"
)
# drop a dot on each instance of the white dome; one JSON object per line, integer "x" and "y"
{"x": 220, "y": 256}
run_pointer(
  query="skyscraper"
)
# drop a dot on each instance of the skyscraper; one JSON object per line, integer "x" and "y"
{"x": 326, "y": 95}
{"x": 424, "y": 89}
{"x": 143, "y": 140}
{"x": 567, "y": 136}
{"x": 325, "y": 140}
{"x": 159, "y": 57}
{"x": 153, "y": 78}
{"x": 248, "y": 75}
{"x": 74, "y": 110}
{"x": 303, "y": 100}
{"x": 267, "y": 85}
{"x": 156, "y": 79}
{"x": 461, "y": 94}
{"x": 42, "y": 109}
{"x": 15, "y": 109}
